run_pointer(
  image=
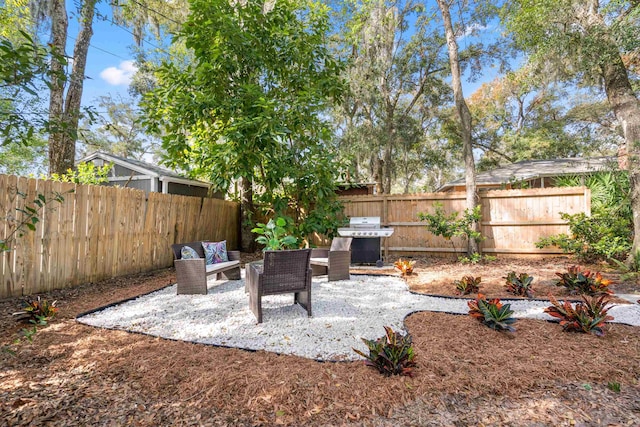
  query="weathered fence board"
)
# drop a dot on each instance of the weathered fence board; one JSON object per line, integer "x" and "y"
{"x": 512, "y": 220}
{"x": 100, "y": 232}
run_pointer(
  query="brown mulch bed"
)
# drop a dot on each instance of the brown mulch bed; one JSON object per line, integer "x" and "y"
{"x": 466, "y": 374}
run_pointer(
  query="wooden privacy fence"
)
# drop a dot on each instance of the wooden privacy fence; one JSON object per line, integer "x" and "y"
{"x": 512, "y": 220}
{"x": 99, "y": 232}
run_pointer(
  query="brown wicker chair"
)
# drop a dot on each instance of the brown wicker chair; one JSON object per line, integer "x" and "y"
{"x": 191, "y": 274}
{"x": 282, "y": 272}
{"x": 333, "y": 262}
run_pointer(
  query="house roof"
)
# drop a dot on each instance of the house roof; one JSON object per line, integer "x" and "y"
{"x": 532, "y": 169}
{"x": 144, "y": 168}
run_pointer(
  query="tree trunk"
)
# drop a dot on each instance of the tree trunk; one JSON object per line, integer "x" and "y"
{"x": 64, "y": 116}
{"x": 626, "y": 108}
{"x": 247, "y": 239}
{"x": 464, "y": 116}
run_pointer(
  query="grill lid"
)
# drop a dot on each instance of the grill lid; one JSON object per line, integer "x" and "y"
{"x": 364, "y": 222}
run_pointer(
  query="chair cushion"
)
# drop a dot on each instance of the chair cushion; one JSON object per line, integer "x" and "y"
{"x": 319, "y": 261}
{"x": 220, "y": 266}
{"x": 215, "y": 252}
{"x": 341, "y": 243}
{"x": 188, "y": 253}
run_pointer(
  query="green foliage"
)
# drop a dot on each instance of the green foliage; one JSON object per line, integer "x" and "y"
{"x": 467, "y": 285}
{"x": 519, "y": 284}
{"x": 608, "y": 232}
{"x": 391, "y": 354}
{"x": 276, "y": 235}
{"x": 492, "y": 313}
{"x": 251, "y": 105}
{"x": 404, "y": 266}
{"x": 614, "y": 386}
{"x": 593, "y": 238}
{"x": 448, "y": 226}
{"x": 85, "y": 173}
{"x": 587, "y": 316}
{"x": 27, "y": 218}
{"x": 476, "y": 258}
{"x": 583, "y": 282}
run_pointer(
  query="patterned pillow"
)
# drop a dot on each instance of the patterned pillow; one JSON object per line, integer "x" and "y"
{"x": 188, "y": 252}
{"x": 215, "y": 252}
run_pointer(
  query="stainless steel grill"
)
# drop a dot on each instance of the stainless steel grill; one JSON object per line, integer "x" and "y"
{"x": 366, "y": 231}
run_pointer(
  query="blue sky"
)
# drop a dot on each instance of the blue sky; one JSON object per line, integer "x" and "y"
{"x": 109, "y": 60}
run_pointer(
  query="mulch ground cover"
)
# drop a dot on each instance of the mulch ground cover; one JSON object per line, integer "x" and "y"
{"x": 466, "y": 374}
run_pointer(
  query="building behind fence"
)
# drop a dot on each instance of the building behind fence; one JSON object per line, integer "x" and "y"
{"x": 99, "y": 232}
{"x": 512, "y": 220}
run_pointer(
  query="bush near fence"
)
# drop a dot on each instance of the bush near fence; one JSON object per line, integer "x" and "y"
{"x": 100, "y": 232}
{"x": 512, "y": 220}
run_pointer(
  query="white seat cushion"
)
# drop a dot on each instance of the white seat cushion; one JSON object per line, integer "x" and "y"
{"x": 222, "y": 265}
{"x": 320, "y": 261}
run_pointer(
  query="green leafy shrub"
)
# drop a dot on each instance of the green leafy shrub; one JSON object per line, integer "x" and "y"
{"x": 275, "y": 235}
{"x": 391, "y": 354}
{"x": 492, "y": 313}
{"x": 587, "y": 316}
{"x": 519, "y": 284}
{"x": 449, "y": 226}
{"x": 404, "y": 266}
{"x": 583, "y": 282}
{"x": 467, "y": 285}
{"x": 476, "y": 258}
{"x": 593, "y": 238}
{"x": 608, "y": 232}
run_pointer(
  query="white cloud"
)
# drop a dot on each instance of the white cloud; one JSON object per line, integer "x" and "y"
{"x": 472, "y": 30}
{"x": 121, "y": 75}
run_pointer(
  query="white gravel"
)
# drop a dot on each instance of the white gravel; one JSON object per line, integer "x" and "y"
{"x": 343, "y": 313}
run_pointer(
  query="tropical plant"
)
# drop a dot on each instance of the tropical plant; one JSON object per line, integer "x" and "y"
{"x": 467, "y": 285}
{"x": 276, "y": 235}
{"x": 583, "y": 282}
{"x": 519, "y": 284}
{"x": 587, "y": 316}
{"x": 492, "y": 313}
{"x": 391, "y": 354}
{"x": 37, "y": 311}
{"x": 405, "y": 266}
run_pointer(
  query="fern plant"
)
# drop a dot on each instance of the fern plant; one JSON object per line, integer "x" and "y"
{"x": 587, "y": 316}
{"x": 492, "y": 313}
{"x": 467, "y": 285}
{"x": 404, "y": 266}
{"x": 583, "y": 282}
{"x": 519, "y": 284}
{"x": 391, "y": 354}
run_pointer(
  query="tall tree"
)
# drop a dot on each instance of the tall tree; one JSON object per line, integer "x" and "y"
{"x": 589, "y": 40}
{"x": 524, "y": 116}
{"x": 119, "y": 130}
{"x": 250, "y": 106}
{"x": 395, "y": 75}
{"x": 64, "y": 107}
{"x": 464, "y": 117}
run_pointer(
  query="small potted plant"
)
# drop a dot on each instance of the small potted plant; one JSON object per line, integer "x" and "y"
{"x": 275, "y": 235}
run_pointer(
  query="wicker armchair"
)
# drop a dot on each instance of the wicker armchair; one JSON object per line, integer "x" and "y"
{"x": 333, "y": 262}
{"x": 282, "y": 272}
